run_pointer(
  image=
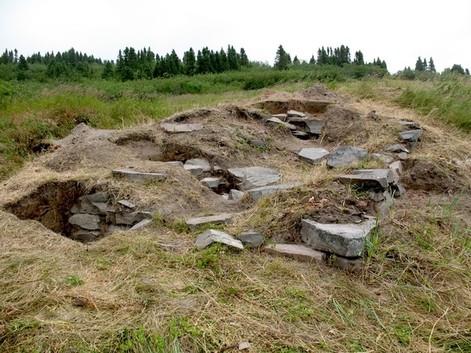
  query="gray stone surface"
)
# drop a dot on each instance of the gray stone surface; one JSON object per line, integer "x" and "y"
{"x": 398, "y": 190}
{"x": 200, "y": 162}
{"x": 223, "y": 218}
{"x": 194, "y": 170}
{"x": 177, "y": 128}
{"x": 411, "y": 135}
{"x": 295, "y": 113}
{"x": 313, "y": 155}
{"x": 298, "y": 252}
{"x": 251, "y": 239}
{"x": 175, "y": 164}
{"x": 103, "y": 208}
{"x": 101, "y": 196}
{"x": 301, "y": 135}
{"x": 216, "y": 236}
{"x": 85, "y": 221}
{"x": 252, "y": 177}
{"x": 138, "y": 176}
{"x": 369, "y": 177}
{"x": 84, "y": 207}
{"x": 315, "y": 126}
{"x": 281, "y": 116}
{"x": 376, "y": 196}
{"x": 382, "y": 157}
{"x": 345, "y": 156}
{"x": 346, "y": 240}
{"x": 142, "y": 224}
{"x": 385, "y": 206}
{"x": 211, "y": 182}
{"x": 132, "y": 218}
{"x": 410, "y": 124}
{"x": 397, "y": 166}
{"x": 396, "y": 148}
{"x": 126, "y": 203}
{"x": 236, "y": 195}
{"x": 279, "y": 122}
{"x": 269, "y": 190}
{"x": 403, "y": 156}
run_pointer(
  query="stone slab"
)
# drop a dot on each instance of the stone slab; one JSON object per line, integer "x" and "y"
{"x": 180, "y": 128}
{"x": 251, "y": 239}
{"x": 411, "y": 135}
{"x": 369, "y": 177}
{"x": 253, "y": 177}
{"x": 345, "y": 156}
{"x": 216, "y": 236}
{"x": 269, "y": 190}
{"x": 223, "y": 218}
{"x": 194, "y": 170}
{"x": 281, "y": 123}
{"x": 211, "y": 182}
{"x": 346, "y": 240}
{"x": 396, "y": 148}
{"x": 295, "y": 113}
{"x": 313, "y": 155}
{"x": 138, "y": 176}
{"x": 142, "y": 224}
{"x": 126, "y": 203}
{"x": 236, "y": 195}
{"x": 85, "y": 221}
{"x": 200, "y": 162}
{"x": 298, "y": 252}
{"x": 132, "y": 218}
{"x": 175, "y": 164}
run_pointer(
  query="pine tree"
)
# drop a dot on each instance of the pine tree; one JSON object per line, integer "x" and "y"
{"x": 312, "y": 61}
{"x": 282, "y": 59}
{"x": 189, "y": 62}
{"x": 244, "y": 60}
{"x": 22, "y": 64}
{"x": 431, "y": 65}
{"x": 296, "y": 60}
{"x": 108, "y": 71}
{"x": 359, "y": 60}
{"x": 232, "y": 58}
{"x": 223, "y": 60}
{"x": 419, "y": 65}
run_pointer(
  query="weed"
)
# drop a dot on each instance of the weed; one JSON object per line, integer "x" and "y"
{"x": 74, "y": 281}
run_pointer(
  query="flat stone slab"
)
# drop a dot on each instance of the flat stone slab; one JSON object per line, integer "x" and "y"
{"x": 223, "y": 218}
{"x": 369, "y": 177}
{"x": 138, "y": 176}
{"x": 298, "y": 252}
{"x": 216, "y": 236}
{"x": 411, "y": 135}
{"x": 313, "y": 155}
{"x": 132, "y": 218}
{"x": 142, "y": 224}
{"x": 126, "y": 203}
{"x": 314, "y": 126}
{"x": 211, "y": 182}
{"x": 396, "y": 148}
{"x": 382, "y": 157}
{"x": 295, "y": 113}
{"x": 346, "y": 240}
{"x": 281, "y": 123}
{"x": 253, "y": 177}
{"x": 85, "y": 221}
{"x": 269, "y": 190}
{"x": 251, "y": 239}
{"x": 199, "y": 162}
{"x": 345, "y": 156}
{"x": 281, "y": 116}
{"x": 179, "y": 128}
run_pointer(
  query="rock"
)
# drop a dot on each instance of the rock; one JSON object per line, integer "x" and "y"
{"x": 236, "y": 195}
{"x": 298, "y": 252}
{"x": 411, "y": 137}
{"x": 384, "y": 207}
{"x": 345, "y": 156}
{"x": 382, "y": 157}
{"x": 313, "y": 155}
{"x": 132, "y": 218}
{"x": 175, "y": 164}
{"x": 396, "y": 148}
{"x": 103, "y": 208}
{"x": 258, "y": 143}
{"x": 346, "y": 240}
{"x": 200, "y": 162}
{"x": 85, "y": 236}
{"x": 369, "y": 177}
{"x": 212, "y": 183}
{"x": 225, "y": 196}
{"x": 350, "y": 265}
{"x": 101, "y": 196}
{"x": 142, "y": 224}
{"x": 244, "y": 346}
{"x": 301, "y": 135}
{"x": 410, "y": 124}
{"x": 376, "y": 196}
{"x": 281, "y": 123}
{"x": 177, "y": 128}
{"x": 138, "y": 176}
{"x": 315, "y": 126}
{"x": 397, "y": 166}
{"x": 85, "y": 221}
{"x": 252, "y": 177}
{"x": 223, "y": 218}
{"x": 216, "y": 236}
{"x": 280, "y": 116}
{"x": 372, "y": 115}
{"x": 403, "y": 156}
{"x": 294, "y": 113}
{"x": 194, "y": 170}
{"x": 264, "y": 191}
{"x": 398, "y": 190}
{"x": 251, "y": 239}
{"x": 84, "y": 207}
{"x": 126, "y": 203}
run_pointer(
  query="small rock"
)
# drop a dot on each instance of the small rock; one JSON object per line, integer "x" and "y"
{"x": 258, "y": 143}
{"x": 130, "y": 219}
{"x": 179, "y": 128}
{"x": 345, "y": 156}
{"x": 346, "y": 240}
{"x": 212, "y": 183}
{"x": 350, "y": 265}
{"x": 252, "y": 177}
{"x": 216, "y": 236}
{"x": 244, "y": 345}
{"x": 411, "y": 137}
{"x": 103, "y": 208}
{"x": 397, "y": 166}
{"x": 397, "y": 148}
{"x": 281, "y": 123}
{"x": 126, "y": 203}
{"x": 315, "y": 126}
{"x": 398, "y": 190}
{"x": 194, "y": 170}
{"x": 85, "y": 221}
{"x": 200, "y": 162}
{"x": 369, "y": 177}
{"x": 142, "y": 224}
{"x": 294, "y": 113}
{"x": 101, "y": 196}
{"x": 384, "y": 207}
{"x": 403, "y": 156}
{"x": 251, "y": 239}
{"x": 372, "y": 115}
{"x": 313, "y": 155}
{"x": 194, "y": 223}
{"x": 236, "y": 195}
{"x": 264, "y": 191}
{"x": 298, "y": 252}
{"x": 138, "y": 176}
{"x": 225, "y": 196}
{"x": 382, "y": 157}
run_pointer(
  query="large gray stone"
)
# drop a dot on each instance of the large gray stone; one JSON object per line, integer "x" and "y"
{"x": 138, "y": 176}
{"x": 253, "y": 177}
{"x": 200, "y": 162}
{"x": 216, "y": 236}
{"x": 345, "y": 156}
{"x": 126, "y": 203}
{"x": 194, "y": 223}
{"x": 313, "y": 155}
{"x": 177, "y": 128}
{"x": 397, "y": 166}
{"x": 84, "y": 207}
{"x": 369, "y": 177}
{"x": 298, "y": 252}
{"x": 251, "y": 239}
{"x": 314, "y": 126}
{"x": 346, "y": 240}
{"x": 85, "y": 221}
{"x": 269, "y": 190}
{"x": 279, "y": 122}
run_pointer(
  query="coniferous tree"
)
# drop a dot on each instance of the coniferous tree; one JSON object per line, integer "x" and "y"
{"x": 431, "y": 65}
{"x": 359, "y": 60}
{"x": 244, "y": 60}
{"x": 223, "y": 60}
{"x": 282, "y": 59}
{"x": 419, "y": 65}
{"x": 296, "y": 61}
{"x": 189, "y": 62}
{"x": 312, "y": 61}
{"x": 232, "y": 58}
{"x": 108, "y": 71}
{"x": 458, "y": 69}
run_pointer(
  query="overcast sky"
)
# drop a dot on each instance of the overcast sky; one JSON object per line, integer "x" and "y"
{"x": 397, "y": 31}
